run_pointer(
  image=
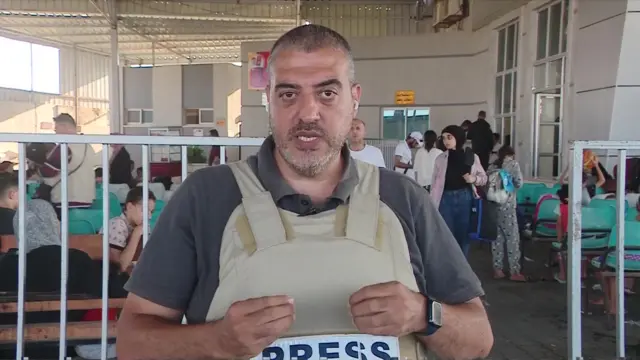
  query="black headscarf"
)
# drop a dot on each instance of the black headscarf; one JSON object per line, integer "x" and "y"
{"x": 458, "y": 133}
{"x": 456, "y": 162}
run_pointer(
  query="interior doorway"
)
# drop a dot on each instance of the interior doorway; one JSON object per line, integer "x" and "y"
{"x": 547, "y": 152}
{"x": 398, "y": 122}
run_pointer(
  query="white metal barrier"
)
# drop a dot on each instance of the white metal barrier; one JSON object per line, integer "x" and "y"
{"x": 574, "y": 289}
{"x": 105, "y": 140}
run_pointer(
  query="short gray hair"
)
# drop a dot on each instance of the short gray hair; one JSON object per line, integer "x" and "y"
{"x": 312, "y": 37}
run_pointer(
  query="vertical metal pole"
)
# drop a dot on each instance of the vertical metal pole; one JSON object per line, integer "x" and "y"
{"x": 145, "y": 194}
{"x": 105, "y": 251}
{"x": 620, "y": 214}
{"x": 76, "y": 96}
{"x": 223, "y": 155}
{"x": 22, "y": 245}
{"x": 574, "y": 295}
{"x": 184, "y": 162}
{"x": 64, "y": 230}
{"x": 114, "y": 76}
{"x": 298, "y": 19}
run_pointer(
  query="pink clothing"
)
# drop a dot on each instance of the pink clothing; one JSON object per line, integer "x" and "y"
{"x": 440, "y": 170}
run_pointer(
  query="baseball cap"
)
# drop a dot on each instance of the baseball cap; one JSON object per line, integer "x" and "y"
{"x": 416, "y": 135}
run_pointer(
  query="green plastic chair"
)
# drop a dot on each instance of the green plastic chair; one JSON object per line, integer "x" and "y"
{"x": 156, "y": 213}
{"x": 115, "y": 208}
{"x": 81, "y": 227}
{"x": 597, "y": 224}
{"x": 631, "y": 245}
{"x": 632, "y": 214}
{"x": 93, "y": 216}
{"x": 544, "y": 226}
{"x": 605, "y": 203}
{"x": 526, "y": 195}
{"x": 98, "y": 190}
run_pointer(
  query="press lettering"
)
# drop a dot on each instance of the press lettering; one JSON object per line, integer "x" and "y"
{"x": 300, "y": 352}
{"x": 353, "y": 349}
{"x": 380, "y": 350}
{"x": 325, "y": 349}
{"x": 273, "y": 353}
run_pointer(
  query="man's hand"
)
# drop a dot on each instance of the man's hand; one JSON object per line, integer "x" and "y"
{"x": 251, "y": 325}
{"x": 389, "y": 309}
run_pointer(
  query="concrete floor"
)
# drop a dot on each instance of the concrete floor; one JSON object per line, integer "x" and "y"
{"x": 530, "y": 319}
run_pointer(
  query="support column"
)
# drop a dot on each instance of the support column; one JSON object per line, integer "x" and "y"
{"x": 298, "y": 19}
{"x": 115, "y": 118}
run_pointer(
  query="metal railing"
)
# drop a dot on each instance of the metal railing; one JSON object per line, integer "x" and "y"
{"x": 574, "y": 289}
{"x": 105, "y": 140}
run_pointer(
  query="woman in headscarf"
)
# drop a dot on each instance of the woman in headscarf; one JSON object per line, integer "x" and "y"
{"x": 456, "y": 174}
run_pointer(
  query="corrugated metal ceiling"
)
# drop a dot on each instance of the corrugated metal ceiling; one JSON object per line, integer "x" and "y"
{"x": 197, "y": 31}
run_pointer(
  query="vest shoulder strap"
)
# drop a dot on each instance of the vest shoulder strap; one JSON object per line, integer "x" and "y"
{"x": 263, "y": 216}
{"x": 364, "y": 206}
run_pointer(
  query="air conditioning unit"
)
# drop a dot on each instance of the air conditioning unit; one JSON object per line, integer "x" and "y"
{"x": 450, "y": 12}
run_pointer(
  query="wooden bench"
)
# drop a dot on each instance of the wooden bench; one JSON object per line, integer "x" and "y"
{"x": 50, "y": 332}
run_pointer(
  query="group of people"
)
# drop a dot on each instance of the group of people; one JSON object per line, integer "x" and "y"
{"x": 453, "y": 168}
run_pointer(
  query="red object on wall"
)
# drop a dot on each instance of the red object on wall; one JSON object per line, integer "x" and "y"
{"x": 170, "y": 169}
{"x": 96, "y": 315}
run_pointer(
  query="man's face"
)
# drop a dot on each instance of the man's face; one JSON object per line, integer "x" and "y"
{"x": 413, "y": 143}
{"x": 357, "y": 132}
{"x": 11, "y": 197}
{"x": 311, "y": 105}
{"x": 64, "y": 128}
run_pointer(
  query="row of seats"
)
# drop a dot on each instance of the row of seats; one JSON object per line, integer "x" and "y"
{"x": 89, "y": 221}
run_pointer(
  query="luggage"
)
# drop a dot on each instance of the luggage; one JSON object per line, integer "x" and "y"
{"x": 484, "y": 220}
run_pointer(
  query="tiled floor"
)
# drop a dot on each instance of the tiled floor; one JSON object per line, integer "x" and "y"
{"x": 530, "y": 319}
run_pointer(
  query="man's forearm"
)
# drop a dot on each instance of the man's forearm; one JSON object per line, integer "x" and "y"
{"x": 147, "y": 337}
{"x": 465, "y": 334}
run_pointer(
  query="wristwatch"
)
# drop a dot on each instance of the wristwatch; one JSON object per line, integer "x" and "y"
{"x": 434, "y": 317}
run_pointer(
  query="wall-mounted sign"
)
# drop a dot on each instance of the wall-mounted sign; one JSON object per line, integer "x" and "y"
{"x": 221, "y": 122}
{"x": 405, "y": 97}
{"x": 258, "y": 74}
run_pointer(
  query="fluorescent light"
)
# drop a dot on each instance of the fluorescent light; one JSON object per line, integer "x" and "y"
{"x": 236, "y": 63}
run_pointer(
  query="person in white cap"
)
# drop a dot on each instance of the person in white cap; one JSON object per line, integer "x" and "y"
{"x": 404, "y": 155}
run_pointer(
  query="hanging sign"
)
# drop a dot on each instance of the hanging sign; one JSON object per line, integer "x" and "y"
{"x": 405, "y": 97}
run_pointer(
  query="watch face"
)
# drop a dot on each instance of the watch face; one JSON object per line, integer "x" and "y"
{"x": 436, "y": 313}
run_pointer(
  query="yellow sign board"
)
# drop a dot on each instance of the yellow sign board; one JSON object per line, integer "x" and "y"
{"x": 405, "y": 97}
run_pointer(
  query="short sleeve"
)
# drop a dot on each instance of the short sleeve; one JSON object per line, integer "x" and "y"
{"x": 118, "y": 234}
{"x": 448, "y": 276}
{"x": 399, "y": 150}
{"x": 166, "y": 271}
{"x": 380, "y": 158}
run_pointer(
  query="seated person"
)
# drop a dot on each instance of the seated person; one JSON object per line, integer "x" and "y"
{"x": 592, "y": 176}
{"x": 98, "y": 175}
{"x": 42, "y": 227}
{"x": 562, "y": 223}
{"x": 125, "y": 231}
{"x": 8, "y": 202}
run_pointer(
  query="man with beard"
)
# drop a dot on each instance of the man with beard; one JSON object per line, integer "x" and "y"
{"x": 300, "y": 240}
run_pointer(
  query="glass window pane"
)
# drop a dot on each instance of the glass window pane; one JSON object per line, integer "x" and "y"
{"x": 507, "y": 131}
{"x": 506, "y": 94}
{"x": 501, "y": 47}
{"x": 549, "y": 139}
{"x": 417, "y": 120}
{"x": 498, "y": 107}
{"x": 565, "y": 24}
{"x": 45, "y": 69}
{"x": 498, "y": 126}
{"x": 511, "y": 40}
{"x": 548, "y": 109}
{"x": 543, "y": 19}
{"x": 15, "y": 70}
{"x": 147, "y": 116}
{"x": 516, "y": 31}
{"x": 540, "y": 76}
{"x": 554, "y": 75}
{"x": 548, "y": 166}
{"x": 554, "y": 29}
{"x": 514, "y": 91}
{"x": 393, "y": 124}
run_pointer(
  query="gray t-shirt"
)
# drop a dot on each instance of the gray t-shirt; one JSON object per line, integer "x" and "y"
{"x": 42, "y": 227}
{"x": 179, "y": 266}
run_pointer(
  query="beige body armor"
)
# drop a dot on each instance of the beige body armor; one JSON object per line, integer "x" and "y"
{"x": 319, "y": 260}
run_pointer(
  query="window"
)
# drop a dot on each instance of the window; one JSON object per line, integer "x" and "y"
{"x": 551, "y": 46}
{"x": 397, "y": 123}
{"x": 506, "y": 89}
{"x": 139, "y": 116}
{"x": 30, "y": 67}
{"x": 164, "y": 153}
{"x": 198, "y": 116}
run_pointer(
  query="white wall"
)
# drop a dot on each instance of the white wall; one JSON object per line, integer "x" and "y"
{"x": 164, "y": 92}
{"x": 447, "y": 71}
